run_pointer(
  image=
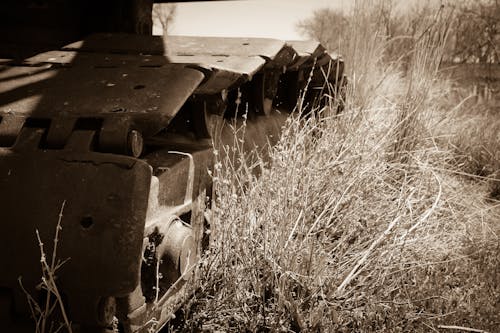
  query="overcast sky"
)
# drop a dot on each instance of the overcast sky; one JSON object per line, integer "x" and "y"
{"x": 255, "y": 18}
{"x": 249, "y": 18}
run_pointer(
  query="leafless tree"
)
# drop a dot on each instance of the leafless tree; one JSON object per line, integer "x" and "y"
{"x": 327, "y": 26}
{"x": 473, "y": 28}
{"x": 164, "y": 14}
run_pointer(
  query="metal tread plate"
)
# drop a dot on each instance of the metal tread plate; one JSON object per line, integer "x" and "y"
{"x": 272, "y": 50}
{"x": 225, "y": 72}
{"x": 158, "y": 45}
{"x": 306, "y": 47}
{"x": 222, "y": 72}
{"x": 237, "y": 64}
{"x": 230, "y": 56}
{"x": 307, "y": 51}
{"x": 276, "y": 52}
{"x": 148, "y": 96}
{"x": 224, "y": 46}
{"x": 119, "y": 43}
{"x": 294, "y": 53}
{"x": 73, "y": 58}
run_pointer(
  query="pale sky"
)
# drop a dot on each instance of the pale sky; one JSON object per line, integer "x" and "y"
{"x": 246, "y": 18}
{"x": 255, "y": 18}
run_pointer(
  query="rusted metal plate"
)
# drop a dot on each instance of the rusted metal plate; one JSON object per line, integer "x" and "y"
{"x": 172, "y": 170}
{"x": 178, "y": 45}
{"x": 272, "y": 50}
{"x": 223, "y": 46}
{"x": 237, "y": 64}
{"x": 219, "y": 81}
{"x": 148, "y": 96}
{"x": 10, "y": 126}
{"x": 15, "y": 88}
{"x": 14, "y": 79}
{"x": 106, "y": 199}
{"x": 231, "y": 61}
{"x": 269, "y": 49}
{"x": 307, "y": 51}
{"x": 120, "y": 43}
{"x": 275, "y": 52}
{"x": 225, "y": 72}
{"x": 324, "y": 60}
{"x": 221, "y": 72}
{"x": 96, "y": 59}
{"x": 56, "y": 57}
{"x": 306, "y": 47}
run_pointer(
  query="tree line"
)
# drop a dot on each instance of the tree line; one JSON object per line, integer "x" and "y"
{"x": 472, "y": 28}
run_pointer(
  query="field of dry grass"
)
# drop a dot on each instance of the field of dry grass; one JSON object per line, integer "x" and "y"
{"x": 384, "y": 218}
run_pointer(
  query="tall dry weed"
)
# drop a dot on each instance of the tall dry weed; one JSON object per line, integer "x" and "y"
{"x": 358, "y": 222}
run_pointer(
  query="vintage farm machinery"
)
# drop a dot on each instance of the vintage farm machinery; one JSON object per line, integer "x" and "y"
{"x": 119, "y": 126}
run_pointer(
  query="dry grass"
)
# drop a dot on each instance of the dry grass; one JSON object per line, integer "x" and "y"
{"x": 365, "y": 221}
{"x": 335, "y": 234}
{"x": 472, "y": 132}
{"x": 45, "y": 313}
{"x": 383, "y": 218}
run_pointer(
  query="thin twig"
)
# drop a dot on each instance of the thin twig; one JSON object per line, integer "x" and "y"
{"x": 45, "y": 269}
{"x": 55, "y": 290}
{"x": 34, "y": 308}
{"x": 49, "y": 284}
{"x": 467, "y": 329}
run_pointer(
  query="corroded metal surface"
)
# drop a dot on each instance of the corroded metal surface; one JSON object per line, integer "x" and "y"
{"x": 122, "y": 128}
{"x": 106, "y": 201}
{"x": 227, "y": 69}
{"x": 119, "y": 43}
{"x": 269, "y": 49}
{"x": 148, "y": 96}
{"x": 247, "y": 47}
{"x": 307, "y": 52}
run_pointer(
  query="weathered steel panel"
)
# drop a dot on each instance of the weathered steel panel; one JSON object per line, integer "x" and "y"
{"x": 221, "y": 72}
{"x": 172, "y": 171}
{"x": 120, "y": 43}
{"x": 178, "y": 45}
{"x": 247, "y": 47}
{"x": 102, "y": 225}
{"x": 237, "y": 64}
{"x": 307, "y": 52}
{"x": 148, "y": 96}
{"x": 96, "y": 59}
{"x": 275, "y": 52}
